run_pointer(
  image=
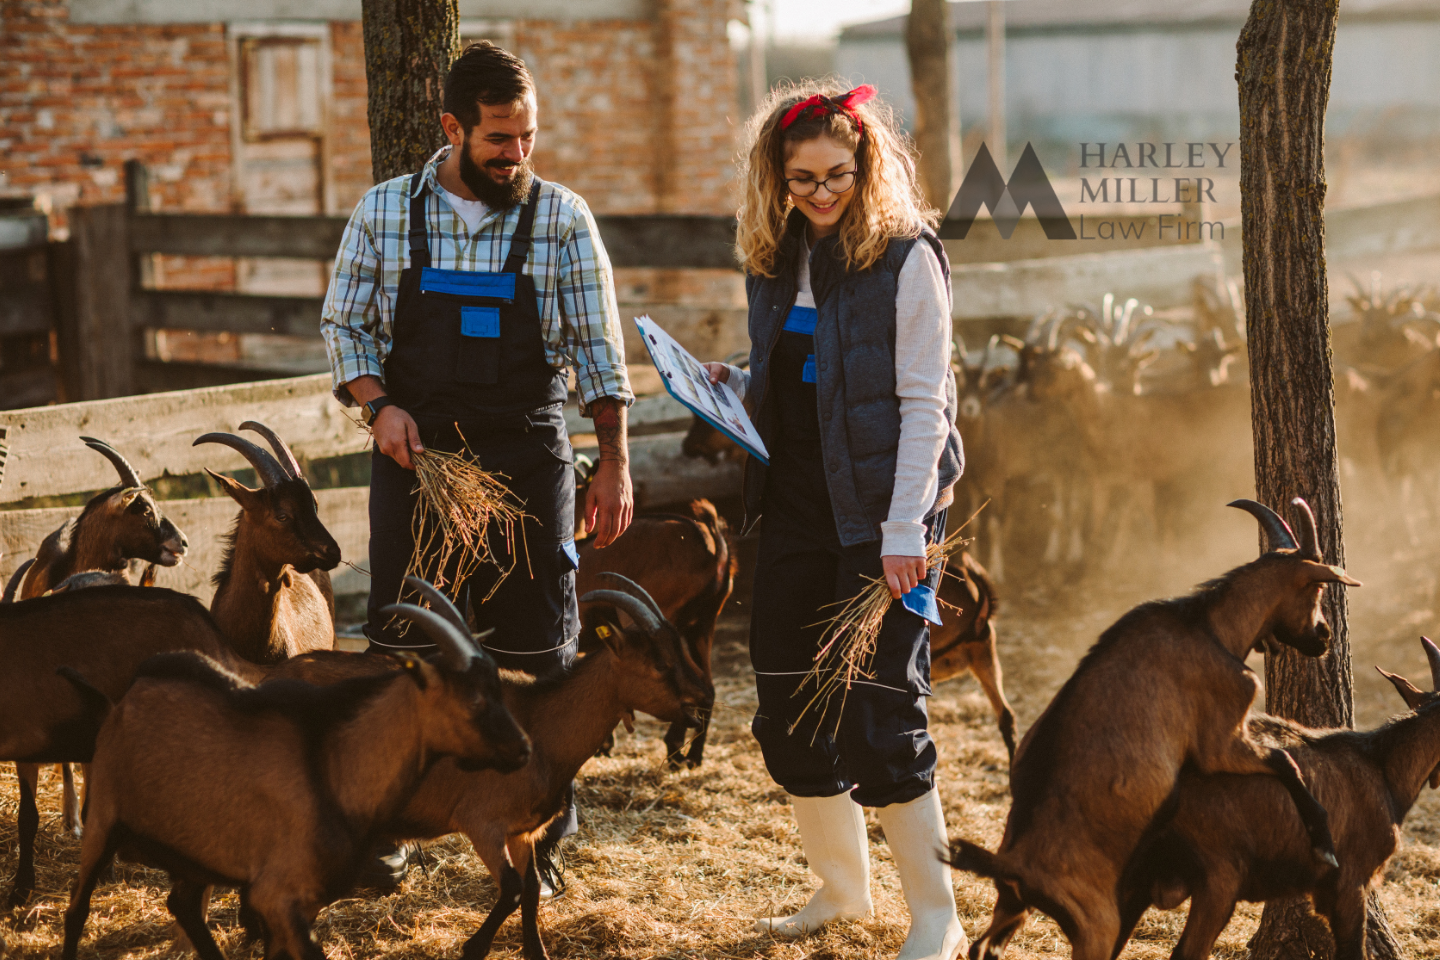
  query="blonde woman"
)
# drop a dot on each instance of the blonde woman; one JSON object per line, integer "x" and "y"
{"x": 850, "y": 383}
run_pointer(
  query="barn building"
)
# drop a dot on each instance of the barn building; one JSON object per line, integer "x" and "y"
{"x": 1159, "y": 70}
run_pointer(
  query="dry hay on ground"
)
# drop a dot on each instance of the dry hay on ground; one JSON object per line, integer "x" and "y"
{"x": 676, "y": 864}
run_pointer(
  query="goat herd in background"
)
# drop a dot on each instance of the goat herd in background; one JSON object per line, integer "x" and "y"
{"x": 236, "y": 747}
{"x": 1110, "y": 429}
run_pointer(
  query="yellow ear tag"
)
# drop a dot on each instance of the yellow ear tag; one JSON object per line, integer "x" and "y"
{"x": 603, "y": 632}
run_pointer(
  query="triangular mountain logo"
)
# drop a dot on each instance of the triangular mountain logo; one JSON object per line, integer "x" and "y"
{"x": 984, "y": 186}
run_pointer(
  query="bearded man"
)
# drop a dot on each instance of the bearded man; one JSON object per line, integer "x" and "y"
{"x": 461, "y": 297}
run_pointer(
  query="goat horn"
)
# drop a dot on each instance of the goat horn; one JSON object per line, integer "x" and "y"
{"x": 632, "y": 605}
{"x": 281, "y": 448}
{"x": 456, "y": 649}
{"x": 266, "y": 466}
{"x": 1278, "y": 534}
{"x": 1309, "y": 535}
{"x": 637, "y": 591}
{"x": 1432, "y": 654}
{"x": 128, "y": 476}
{"x": 440, "y": 603}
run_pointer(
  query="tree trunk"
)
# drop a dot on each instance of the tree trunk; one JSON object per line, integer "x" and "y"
{"x": 1283, "y": 70}
{"x": 409, "y": 46}
{"x": 930, "y": 42}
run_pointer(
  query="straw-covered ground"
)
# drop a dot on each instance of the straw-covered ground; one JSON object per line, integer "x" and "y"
{"x": 676, "y": 864}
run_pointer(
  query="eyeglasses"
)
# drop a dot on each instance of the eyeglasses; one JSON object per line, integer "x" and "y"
{"x": 805, "y": 187}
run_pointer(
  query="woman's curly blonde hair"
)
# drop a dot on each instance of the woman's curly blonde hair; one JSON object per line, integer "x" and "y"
{"x": 888, "y": 204}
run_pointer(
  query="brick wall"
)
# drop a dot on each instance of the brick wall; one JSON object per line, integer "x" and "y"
{"x": 593, "y": 83}
{"x": 349, "y": 130}
{"x": 638, "y": 116}
{"x": 76, "y": 101}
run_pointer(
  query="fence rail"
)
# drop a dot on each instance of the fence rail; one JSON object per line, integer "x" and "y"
{"x": 41, "y": 455}
{"x": 91, "y": 287}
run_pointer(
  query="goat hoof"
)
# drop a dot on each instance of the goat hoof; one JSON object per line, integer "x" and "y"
{"x": 1326, "y": 858}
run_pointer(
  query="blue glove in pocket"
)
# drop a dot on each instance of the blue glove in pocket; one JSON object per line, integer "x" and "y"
{"x": 921, "y": 602}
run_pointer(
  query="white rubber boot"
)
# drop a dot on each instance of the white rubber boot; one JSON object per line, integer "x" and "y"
{"x": 832, "y": 830}
{"x": 916, "y": 834}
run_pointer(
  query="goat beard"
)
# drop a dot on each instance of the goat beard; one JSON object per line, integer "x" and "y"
{"x": 496, "y": 196}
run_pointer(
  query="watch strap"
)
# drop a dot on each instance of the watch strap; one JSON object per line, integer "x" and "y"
{"x": 373, "y": 408}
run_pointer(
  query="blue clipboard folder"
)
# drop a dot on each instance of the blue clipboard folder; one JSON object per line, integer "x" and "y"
{"x": 686, "y": 381}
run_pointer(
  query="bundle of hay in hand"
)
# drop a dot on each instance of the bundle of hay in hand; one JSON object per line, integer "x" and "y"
{"x": 458, "y": 508}
{"x": 847, "y": 647}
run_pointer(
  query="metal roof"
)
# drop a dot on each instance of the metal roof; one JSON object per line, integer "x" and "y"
{"x": 1024, "y": 16}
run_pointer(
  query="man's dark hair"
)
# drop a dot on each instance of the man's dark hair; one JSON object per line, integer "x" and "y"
{"x": 486, "y": 74}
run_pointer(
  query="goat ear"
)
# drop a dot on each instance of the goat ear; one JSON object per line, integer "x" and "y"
{"x": 1326, "y": 573}
{"x": 412, "y": 665}
{"x": 606, "y": 628}
{"x": 1412, "y": 696}
{"x": 237, "y": 491}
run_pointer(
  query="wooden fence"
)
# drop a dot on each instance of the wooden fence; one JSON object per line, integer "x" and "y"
{"x": 41, "y": 455}
{"x": 102, "y": 327}
{"x": 27, "y": 306}
{"x": 94, "y": 288}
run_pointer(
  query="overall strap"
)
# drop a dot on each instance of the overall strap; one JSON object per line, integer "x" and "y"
{"x": 419, "y": 242}
{"x": 520, "y": 242}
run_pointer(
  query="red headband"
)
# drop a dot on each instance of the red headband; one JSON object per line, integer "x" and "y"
{"x": 820, "y": 106}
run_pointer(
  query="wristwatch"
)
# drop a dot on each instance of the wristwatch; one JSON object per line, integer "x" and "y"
{"x": 373, "y": 408}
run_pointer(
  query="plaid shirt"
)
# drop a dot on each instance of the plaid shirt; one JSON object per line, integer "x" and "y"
{"x": 574, "y": 287}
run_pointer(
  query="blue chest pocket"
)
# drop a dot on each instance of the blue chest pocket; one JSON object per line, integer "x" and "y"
{"x": 807, "y": 373}
{"x": 802, "y": 320}
{"x": 480, "y": 322}
{"x": 478, "y": 298}
{"x": 468, "y": 283}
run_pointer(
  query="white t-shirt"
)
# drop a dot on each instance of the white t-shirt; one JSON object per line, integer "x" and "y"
{"x": 471, "y": 211}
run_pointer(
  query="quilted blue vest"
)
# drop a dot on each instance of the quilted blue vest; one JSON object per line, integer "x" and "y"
{"x": 855, "y": 379}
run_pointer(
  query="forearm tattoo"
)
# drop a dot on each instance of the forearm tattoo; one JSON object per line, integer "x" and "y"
{"x": 609, "y": 418}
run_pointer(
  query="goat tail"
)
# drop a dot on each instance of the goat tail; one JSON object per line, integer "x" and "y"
{"x": 705, "y": 514}
{"x": 989, "y": 595}
{"x": 973, "y": 858}
{"x": 97, "y": 704}
{"x": 18, "y": 577}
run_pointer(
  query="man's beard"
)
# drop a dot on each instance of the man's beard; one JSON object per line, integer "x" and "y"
{"x": 497, "y": 196}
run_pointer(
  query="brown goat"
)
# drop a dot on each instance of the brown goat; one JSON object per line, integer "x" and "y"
{"x": 685, "y": 564}
{"x": 104, "y": 632}
{"x": 1238, "y": 838}
{"x": 273, "y": 597}
{"x": 117, "y": 525}
{"x": 281, "y": 788}
{"x": 1166, "y": 685}
{"x": 29, "y": 773}
{"x": 645, "y": 668}
{"x": 966, "y": 642}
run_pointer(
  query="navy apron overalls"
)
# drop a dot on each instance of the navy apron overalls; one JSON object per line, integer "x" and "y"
{"x": 879, "y": 747}
{"x": 468, "y": 364}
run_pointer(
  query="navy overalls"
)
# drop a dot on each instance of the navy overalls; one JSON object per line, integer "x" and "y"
{"x": 469, "y": 358}
{"x": 879, "y": 748}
